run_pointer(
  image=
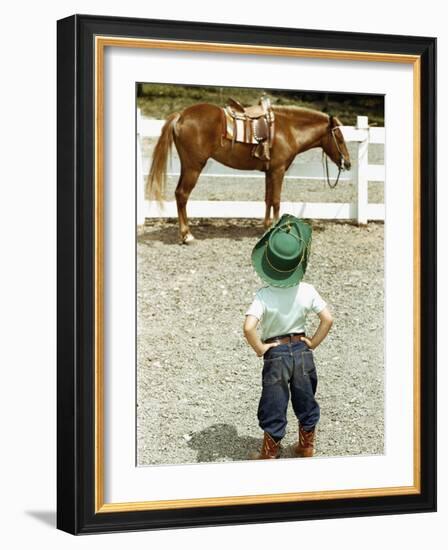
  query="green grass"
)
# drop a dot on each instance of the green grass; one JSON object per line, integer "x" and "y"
{"x": 159, "y": 100}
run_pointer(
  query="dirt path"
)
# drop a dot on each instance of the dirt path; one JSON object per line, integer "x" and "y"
{"x": 199, "y": 382}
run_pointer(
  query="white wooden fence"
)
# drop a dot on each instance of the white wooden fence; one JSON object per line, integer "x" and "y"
{"x": 361, "y": 173}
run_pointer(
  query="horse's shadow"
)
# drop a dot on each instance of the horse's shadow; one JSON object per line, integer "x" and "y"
{"x": 168, "y": 232}
{"x": 221, "y": 441}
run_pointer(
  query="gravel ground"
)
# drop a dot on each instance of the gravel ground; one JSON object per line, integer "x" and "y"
{"x": 199, "y": 382}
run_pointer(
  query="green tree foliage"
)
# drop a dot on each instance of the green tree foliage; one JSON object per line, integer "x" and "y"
{"x": 159, "y": 100}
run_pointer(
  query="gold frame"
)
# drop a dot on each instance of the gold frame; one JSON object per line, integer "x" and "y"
{"x": 101, "y": 42}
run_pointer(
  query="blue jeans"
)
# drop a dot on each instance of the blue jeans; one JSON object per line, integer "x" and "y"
{"x": 288, "y": 368}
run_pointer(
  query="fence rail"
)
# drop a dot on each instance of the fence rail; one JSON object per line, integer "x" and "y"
{"x": 362, "y": 172}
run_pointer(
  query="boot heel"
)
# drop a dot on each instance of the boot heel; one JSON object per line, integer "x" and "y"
{"x": 305, "y": 446}
{"x": 269, "y": 450}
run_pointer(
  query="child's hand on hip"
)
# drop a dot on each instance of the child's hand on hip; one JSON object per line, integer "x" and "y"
{"x": 265, "y": 347}
{"x": 307, "y": 341}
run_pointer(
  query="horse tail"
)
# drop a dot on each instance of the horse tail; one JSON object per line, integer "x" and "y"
{"x": 156, "y": 182}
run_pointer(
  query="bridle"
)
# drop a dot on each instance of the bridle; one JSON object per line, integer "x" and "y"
{"x": 325, "y": 160}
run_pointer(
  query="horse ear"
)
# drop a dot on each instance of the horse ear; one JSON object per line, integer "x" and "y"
{"x": 331, "y": 121}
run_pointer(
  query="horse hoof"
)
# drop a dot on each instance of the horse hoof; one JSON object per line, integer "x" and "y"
{"x": 188, "y": 239}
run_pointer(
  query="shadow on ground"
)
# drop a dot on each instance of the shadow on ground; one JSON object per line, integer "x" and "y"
{"x": 48, "y": 517}
{"x": 168, "y": 230}
{"x": 222, "y": 442}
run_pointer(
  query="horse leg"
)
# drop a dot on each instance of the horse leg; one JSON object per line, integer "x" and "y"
{"x": 268, "y": 200}
{"x": 185, "y": 186}
{"x": 274, "y": 181}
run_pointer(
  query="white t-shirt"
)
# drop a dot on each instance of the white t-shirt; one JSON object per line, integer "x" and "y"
{"x": 284, "y": 310}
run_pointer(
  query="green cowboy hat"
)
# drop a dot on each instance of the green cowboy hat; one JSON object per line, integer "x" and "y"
{"x": 281, "y": 255}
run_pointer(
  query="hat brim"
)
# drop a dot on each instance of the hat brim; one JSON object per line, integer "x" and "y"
{"x": 266, "y": 271}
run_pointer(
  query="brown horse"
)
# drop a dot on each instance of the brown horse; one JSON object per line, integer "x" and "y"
{"x": 197, "y": 133}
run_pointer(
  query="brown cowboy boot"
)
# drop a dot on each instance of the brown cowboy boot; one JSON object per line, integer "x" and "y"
{"x": 305, "y": 446}
{"x": 270, "y": 449}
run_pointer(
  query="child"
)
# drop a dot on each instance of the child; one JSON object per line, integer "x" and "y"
{"x": 280, "y": 259}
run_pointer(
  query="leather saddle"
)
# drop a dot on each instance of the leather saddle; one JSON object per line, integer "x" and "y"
{"x": 253, "y": 124}
{"x": 253, "y": 111}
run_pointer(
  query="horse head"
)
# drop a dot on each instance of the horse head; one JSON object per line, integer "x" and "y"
{"x": 334, "y": 146}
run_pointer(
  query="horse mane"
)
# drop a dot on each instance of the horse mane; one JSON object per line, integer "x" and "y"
{"x": 305, "y": 114}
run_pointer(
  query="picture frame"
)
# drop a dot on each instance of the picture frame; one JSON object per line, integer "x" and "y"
{"x": 82, "y": 41}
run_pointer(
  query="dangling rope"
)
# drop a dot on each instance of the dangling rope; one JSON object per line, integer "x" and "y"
{"x": 325, "y": 164}
{"x": 327, "y": 171}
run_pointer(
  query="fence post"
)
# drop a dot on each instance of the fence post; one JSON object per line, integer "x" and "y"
{"x": 362, "y": 167}
{"x": 140, "y": 191}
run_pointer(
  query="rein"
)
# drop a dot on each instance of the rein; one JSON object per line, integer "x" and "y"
{"x": 325, "y": 162}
